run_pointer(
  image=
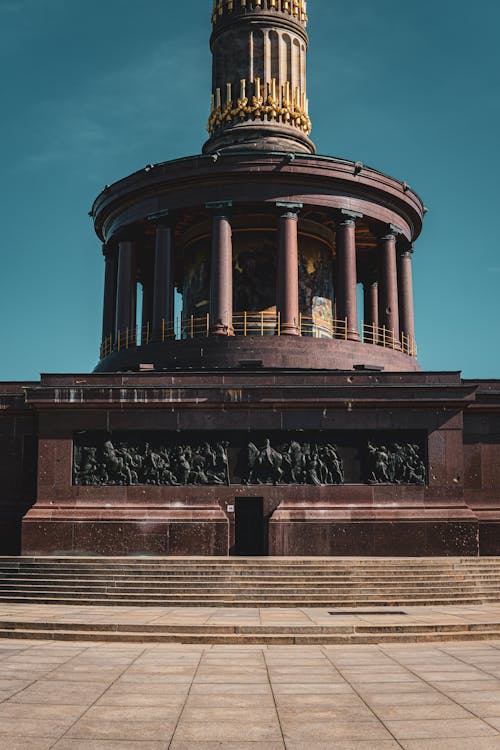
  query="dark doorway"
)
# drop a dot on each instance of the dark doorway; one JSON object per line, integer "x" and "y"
{"x": 250, "y": 527}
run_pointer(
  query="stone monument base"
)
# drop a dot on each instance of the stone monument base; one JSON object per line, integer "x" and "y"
{"x": 258, "y": 462}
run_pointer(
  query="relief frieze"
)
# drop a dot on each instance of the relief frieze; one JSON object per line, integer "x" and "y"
{"x": 176, "y": 460}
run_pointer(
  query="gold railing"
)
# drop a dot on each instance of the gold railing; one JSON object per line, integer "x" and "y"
{"x": 385, "y": 337}
{"x": 296, "y": 8}
{"x": 253, "y": 324}
{"x": 260, "y": 99}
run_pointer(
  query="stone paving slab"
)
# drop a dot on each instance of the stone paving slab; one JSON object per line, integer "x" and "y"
{"x": 174, "y": 697}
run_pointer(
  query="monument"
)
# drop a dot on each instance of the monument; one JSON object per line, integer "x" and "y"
{"x": 242, "y": 403}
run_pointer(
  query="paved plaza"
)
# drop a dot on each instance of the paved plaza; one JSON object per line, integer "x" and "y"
{"x": 76, "y": 696}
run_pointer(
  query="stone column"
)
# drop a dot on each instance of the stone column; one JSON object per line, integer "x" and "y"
{"x": 287, "y": 302}
{"x": 147, "y": 299}
{"x": 406, "y": 312}
{"x": 221, "y": 280}
{"x": 336, "y": 288}
{"x": 163, "y": 298}
{"x": 371, "y": 311}
{"x": 109, "y": 305}
{"x": 388, "y": 298}
{"x": 347, "y": 305}
{"x": 127, "y": 290}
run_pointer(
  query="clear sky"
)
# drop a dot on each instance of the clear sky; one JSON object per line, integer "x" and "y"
{"x": 92, "y": 90}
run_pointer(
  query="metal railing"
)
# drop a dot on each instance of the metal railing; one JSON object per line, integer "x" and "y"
{"x": 253, "y": 324}
{"x": 385, "y": 337}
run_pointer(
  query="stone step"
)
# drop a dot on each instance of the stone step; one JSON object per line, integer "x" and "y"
{"x": 275, "y": 592}
{"x": 253, "y": 562}
{"x": 62, "y": 575}
{"x": 252, "y": 599}
{"x": 250, "y": 574}
{"x": 241, "y": 582}
{"x": 208, "y": 575}
{"x": 253, "y": 581}
{"x": 178, "y": 586}
{"x": 246, "y": 575}
{"x": 273, "y": 564}
{"x": 333, "y": 629}
{"x": 243, "y": 603}
{"x": 236, "y": 579}
{"x": 335, "y": 635}
{"x": 375, "y": 586}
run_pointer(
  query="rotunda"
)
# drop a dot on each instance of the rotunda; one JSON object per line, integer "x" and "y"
{"x": 253, "y": 253}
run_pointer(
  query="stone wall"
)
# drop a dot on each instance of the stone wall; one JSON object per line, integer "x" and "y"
{"x": 18, "y": 465}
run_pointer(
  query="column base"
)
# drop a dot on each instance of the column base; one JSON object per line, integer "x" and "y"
{"x": 290, "y": 330}
{"x": 221, "y": 330}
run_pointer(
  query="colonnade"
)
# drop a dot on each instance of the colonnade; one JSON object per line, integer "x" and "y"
{"x": 388, "y": 288}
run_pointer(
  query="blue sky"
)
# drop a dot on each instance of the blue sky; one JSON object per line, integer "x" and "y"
{"x": 94, "y": 89}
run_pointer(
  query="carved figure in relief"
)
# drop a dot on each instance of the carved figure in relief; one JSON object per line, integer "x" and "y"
{"x": 248, "y": 464}
{"x": 116, "y": 469}
{"x": 86, "y": 467}
{"x": 269, "y": 465}
{"x": 313, "y": 469}
{"x": 295, "y": 461}
{"x": 207, "y": 464}
{"x": 151, "y": 466}
{"x": 123, "y": 464}
{"x": 399, "y": 464}
{"x": 293, "y": 464}
{"x": 417, "y": 473}
{"x": 131, "y": 463}
{"x": 334, "y": 462}
{"x": 222, "y": 463}
{"x": 379, "y": 464}
{"x": 182, "y": 467}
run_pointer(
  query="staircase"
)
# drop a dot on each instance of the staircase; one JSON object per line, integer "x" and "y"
{"x": 250, "y": 582}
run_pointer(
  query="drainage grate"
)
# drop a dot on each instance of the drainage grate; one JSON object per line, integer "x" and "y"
{"x": 342, "y": 612}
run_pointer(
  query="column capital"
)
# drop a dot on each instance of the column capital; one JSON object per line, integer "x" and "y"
{"x": 407, "y": 250}
{"x": 125, "y": 233}
{"x": 389, "y": 232}
{"x": 162, "y": 218}
{"x": 347, "y": 218}
{"x": 220, "y": 208}
{"x": 108, "y": 250}
{"x": 289, "y": 210}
